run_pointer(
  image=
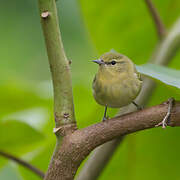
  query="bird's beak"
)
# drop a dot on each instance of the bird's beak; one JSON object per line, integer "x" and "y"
{"x": 98, "y": 61}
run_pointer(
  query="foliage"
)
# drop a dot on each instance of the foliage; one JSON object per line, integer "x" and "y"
{"x": 166, "y": 75}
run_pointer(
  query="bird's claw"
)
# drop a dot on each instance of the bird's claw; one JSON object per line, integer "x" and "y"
{"x": 140, "y": 107}
{"x": 105, "y": 119}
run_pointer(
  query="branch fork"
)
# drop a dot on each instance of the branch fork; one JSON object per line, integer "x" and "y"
{"x": 45, "y": 14}
{"x": 65, "y": 129}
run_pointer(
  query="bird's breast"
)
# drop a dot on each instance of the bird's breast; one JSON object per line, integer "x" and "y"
{"x": 116, "y": 92}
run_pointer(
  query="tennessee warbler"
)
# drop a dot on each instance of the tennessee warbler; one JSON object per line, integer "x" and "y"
{"x": 117, "y": 82}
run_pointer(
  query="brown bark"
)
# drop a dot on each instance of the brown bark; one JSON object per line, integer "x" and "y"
{"x": 77, "y": 145}
{"x": 99, "y": 159}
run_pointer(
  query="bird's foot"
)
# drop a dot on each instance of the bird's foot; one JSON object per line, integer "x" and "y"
{"x": 164, "y": 122}
{"x": 139, "y": 107}
{"x": 105, "y": 119}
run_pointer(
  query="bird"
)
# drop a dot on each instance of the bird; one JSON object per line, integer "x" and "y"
{"x": 117, "y": 82}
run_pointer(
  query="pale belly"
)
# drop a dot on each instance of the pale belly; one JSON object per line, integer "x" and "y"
{"x": 118, "y": 94}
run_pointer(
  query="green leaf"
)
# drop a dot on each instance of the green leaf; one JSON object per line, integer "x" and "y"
{"x": 16, "y": 134}
{"x": 17, "y": 97}
{"x": 166, "y": 75}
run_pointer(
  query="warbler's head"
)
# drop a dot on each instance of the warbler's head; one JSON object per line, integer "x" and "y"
{"x": 114, "y": 62}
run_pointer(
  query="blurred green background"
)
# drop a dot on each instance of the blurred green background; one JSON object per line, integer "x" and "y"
{"x": 89, "y": 28}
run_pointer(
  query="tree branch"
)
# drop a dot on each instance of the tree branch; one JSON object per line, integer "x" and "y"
{"x": 98, "y": 160}
{"x": 165, "y": 51}
{"x": 161, "y": 30}
{"x": 22, "y": 163}
{"x": 60, "y": 70}
{"x": 76, "y": 146}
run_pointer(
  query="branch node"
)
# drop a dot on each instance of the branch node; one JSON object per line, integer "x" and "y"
{"x": 70, "y": 62}
{"x": 45, "y": 14}
{"x": 65, "y": 129}
{"x": 66, "y": 115}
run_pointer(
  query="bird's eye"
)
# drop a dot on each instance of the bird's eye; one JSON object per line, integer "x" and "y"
{"x": 113, "y": 62}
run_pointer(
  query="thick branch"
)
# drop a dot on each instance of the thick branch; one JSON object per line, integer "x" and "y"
{"x": 60, "y": 70}
{"x": 97, "y": 134}
{"x": 76, "y": 146}
{"x": 22, "y": 163}
{"x": 165, "y": 51}
{"x": 98, "y": 160}
{"x": 161, "y": 30}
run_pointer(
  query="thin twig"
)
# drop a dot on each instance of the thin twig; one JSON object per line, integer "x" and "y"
{"x": 161, "y": 30}
{"x": 167, "y": 117}
{"x": 22, "y": 163}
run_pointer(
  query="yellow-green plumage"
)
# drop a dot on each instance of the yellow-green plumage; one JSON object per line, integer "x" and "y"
{"x": 116, "y": 84}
